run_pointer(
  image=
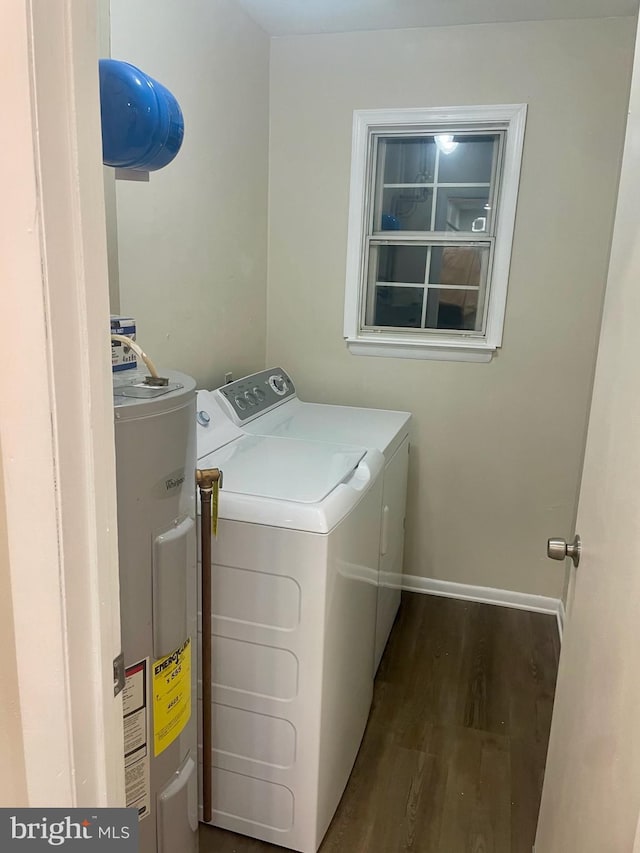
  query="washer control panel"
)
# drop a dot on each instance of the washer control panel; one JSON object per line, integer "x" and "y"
{"x": 256, "y": 394}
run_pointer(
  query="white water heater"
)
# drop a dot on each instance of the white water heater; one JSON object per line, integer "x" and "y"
{"x": 155, "y": 465}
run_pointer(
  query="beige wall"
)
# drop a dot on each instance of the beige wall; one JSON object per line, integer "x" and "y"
{"x": 497, "y": 448}
{"x": 192, "y": 241}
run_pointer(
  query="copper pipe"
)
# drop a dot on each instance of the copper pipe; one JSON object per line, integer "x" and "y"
{"x": 205, "y": 480}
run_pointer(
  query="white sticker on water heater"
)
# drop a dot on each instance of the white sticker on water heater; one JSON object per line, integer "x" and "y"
{"x": 137, "y": 756}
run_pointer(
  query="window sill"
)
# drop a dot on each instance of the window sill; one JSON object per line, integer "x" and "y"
{"x": 436, "y": 351}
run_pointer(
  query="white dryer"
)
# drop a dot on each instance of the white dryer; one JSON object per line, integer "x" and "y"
{"x": 243, "y": 403}
{"x": 293, "y": 615}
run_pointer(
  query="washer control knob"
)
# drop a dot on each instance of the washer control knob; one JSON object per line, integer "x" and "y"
{"x": 203, "y": 418}
{"x": 278, "y": 383}
{"x": 260, "y": 395}
{"x": 251, "y": 398}
{"x": 240, "y": 403}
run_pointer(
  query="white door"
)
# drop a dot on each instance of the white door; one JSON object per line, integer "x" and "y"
{"x": 591, "y": 795}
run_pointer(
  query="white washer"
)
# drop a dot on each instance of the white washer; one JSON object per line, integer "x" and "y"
{"x": 293, "y": 609}
{"x": 244, "y": 401}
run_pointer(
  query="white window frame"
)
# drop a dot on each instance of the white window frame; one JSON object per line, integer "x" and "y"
{"x": 454, "y": 346}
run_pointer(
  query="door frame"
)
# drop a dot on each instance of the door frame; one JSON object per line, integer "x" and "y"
{"x": 56, "y": 423}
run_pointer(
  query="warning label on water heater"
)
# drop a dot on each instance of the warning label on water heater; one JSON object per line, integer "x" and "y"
{"x": 171, "y": 696}
{"x": 135, "y": 709}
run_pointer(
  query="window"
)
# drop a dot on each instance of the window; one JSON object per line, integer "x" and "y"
{"x": 432, "y": 210}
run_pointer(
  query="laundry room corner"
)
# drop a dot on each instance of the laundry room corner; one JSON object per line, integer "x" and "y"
{"x": 496, "y": 448}
{"x": 307, "y": 355}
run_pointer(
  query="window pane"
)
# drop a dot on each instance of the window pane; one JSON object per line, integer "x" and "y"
{"x": 463, "y": 209}
{"x": 408, "y": 160}
{"x": 397, "y": 306}
{"x": 405, "y": 165}
{"x": 403, "y": 264}
{"x": 405, "y": 209}
{"x": 470, "y": 161}
{"x": 452, "y": 309}
{"x": 459, "y": 265}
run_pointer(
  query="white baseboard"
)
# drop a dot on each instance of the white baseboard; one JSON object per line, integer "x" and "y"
{"x": 487, "y": 595}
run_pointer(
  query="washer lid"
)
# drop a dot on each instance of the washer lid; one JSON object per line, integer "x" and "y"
{"x": 283, "y": 468}
{"x": 380, "y": 428}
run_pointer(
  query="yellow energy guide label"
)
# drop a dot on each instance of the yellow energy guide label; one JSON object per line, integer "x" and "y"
{"x": 171, "y": 696}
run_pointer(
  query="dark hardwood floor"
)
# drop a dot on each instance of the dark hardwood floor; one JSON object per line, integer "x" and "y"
{"x": 453, "y": 756}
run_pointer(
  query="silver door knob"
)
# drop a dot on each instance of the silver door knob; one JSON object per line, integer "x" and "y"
{"x": 559, "y": 549}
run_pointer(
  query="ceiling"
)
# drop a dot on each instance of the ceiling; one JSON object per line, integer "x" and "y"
{"x": 292, "y": 17}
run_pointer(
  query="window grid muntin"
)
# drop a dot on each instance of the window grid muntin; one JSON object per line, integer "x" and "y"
{"x": 370, "y": 291}
{"x": 376, "y": 173}
{"x": 374, "y": 201}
